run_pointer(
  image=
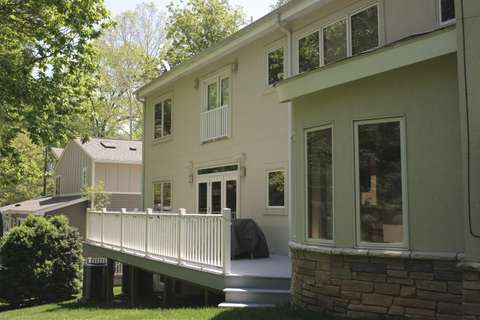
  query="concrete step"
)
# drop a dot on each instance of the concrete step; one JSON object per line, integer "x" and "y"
{"x": 256, "y": 296}
{"x": 257, "y": 282}
{"x": 245, "y": 305}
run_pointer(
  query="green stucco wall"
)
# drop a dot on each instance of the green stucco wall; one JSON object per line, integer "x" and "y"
{"x": 426, "y": 95}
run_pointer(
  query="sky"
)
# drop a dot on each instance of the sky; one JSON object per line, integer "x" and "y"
{"x": 252, "y": 8}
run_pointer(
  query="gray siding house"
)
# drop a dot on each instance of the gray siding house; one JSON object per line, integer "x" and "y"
{"x": 117, "y": 163}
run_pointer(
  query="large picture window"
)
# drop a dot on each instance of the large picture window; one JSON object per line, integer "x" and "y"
{"x": 162, "y": 196}
{"x": 309, "y": 52}
{"x": 276, "y": 189}
{"x": 163, "y": 119}
{"x": 319, "y": 183}
{"x": 380, "y": 187}
{"x": 335, "y": 42}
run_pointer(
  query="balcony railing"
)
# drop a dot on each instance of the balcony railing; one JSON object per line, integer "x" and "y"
{"x": 191, "y": 240}
{"x": 215, "y": 124}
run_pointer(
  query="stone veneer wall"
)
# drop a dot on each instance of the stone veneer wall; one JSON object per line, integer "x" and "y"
{"x": 364, "y": 286}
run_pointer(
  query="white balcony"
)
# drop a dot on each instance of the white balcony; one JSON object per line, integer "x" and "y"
{"x": 215, "y": 124}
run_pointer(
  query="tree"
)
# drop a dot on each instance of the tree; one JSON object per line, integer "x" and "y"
{"x": 46, "y": 61}
{"x": 279, "y": 3}
{"x": 21, "y": 175}
{"x": 129, "y": 58}
{"x": 195, "y": 25}
{"x": 97, "y": 196}
{"x": 42, "y": 261}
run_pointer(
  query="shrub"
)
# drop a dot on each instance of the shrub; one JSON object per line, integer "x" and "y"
{"x": 42, "y": 261}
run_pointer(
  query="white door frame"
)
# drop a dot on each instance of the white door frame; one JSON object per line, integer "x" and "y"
{"x": 221, "y": 177}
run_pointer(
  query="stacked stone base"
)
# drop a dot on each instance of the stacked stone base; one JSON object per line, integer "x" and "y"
{"x": 362, "y": 286}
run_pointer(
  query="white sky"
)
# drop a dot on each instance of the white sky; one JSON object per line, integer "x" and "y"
{"x": 252, "y": 8}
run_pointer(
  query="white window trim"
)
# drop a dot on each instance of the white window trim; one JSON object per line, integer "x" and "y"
{"x": 59, "y": 178}
{"x": 267, "y": 69}
{"x": 84, "y": 178}
{"x": 162, "y": 182}
{"x": 443, "y": 23}
{"x": 284, "y": 188}
{"x": 345, "y": 14}
{"x": 369, "y": 245}
{"x": 161, "y": 100}
{"x": 327, "y": 242}
{"x": 216, "y": 78}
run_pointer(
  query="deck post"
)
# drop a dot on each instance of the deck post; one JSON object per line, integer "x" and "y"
{"x": 121, "y": 227}
{"x": 109, "y": 274}
{"x": 104, "y": 211}
{"x": 227, "y": 221}
{"x": 179, "y": 234}
{"x": 147, "y": 217}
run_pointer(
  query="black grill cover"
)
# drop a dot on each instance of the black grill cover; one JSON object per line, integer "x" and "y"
{"x": 248, "y": 240}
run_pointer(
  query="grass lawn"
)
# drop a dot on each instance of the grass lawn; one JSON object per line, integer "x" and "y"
{"x": 80, "y": 311}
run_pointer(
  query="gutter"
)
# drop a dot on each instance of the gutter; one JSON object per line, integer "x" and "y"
{"x": 285, "y": 28}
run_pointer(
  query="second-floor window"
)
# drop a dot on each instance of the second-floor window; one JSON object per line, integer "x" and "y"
{"x": 163, "y": 119}
{"x": 350, "y": 35}
{"x": 217, "y": 93}
{"x": 276, "y": 69}
{"x": 447, "y": 11}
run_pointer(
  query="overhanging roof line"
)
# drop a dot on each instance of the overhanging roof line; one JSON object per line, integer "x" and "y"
{"x": 391, "y": 57}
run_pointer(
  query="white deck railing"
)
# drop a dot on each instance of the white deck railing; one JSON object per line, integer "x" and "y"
{"x": 215, "y": 123}
{"x": 190, "y": 240}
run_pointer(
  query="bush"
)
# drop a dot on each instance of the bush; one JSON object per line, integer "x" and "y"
{"x": 42, "y": 261}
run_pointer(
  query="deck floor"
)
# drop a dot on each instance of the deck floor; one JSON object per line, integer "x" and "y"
{"x": 272, "y": 267}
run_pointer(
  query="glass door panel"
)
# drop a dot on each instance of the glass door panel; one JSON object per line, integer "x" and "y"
{"x": 216, "y": 197}
{"x": 202, "y": 198}
{"x": 231, "y": 196}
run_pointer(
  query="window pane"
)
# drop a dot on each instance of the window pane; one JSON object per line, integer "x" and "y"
{"x": 335, "y": 42}
{"x": 202, "y": 198}
{"x": 225, "y": 98}
{"x": 167, "y": 117}
{"x": 320, "y": 184}
{"x": 275, "y": 66}
{"x": 158, "y": 121}
{"x": 167, "y": 196}
{"x": 447, "y": 8}
{"x": 276, "y": 189}
{"x": 309, "y": 52}
{"x": 212, "y": 96}
{"x": 380, "y": 178}
{"x": 216, "y": 197}
{"x": 231, "y": 200}
{"x": 157, "y": 197}
{"x": 365, "y": 30}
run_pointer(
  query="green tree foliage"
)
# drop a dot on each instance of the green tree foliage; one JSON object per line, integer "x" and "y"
{"x": 42, "y": 260}
{"x": 129, "y": 58}
{"x": 97, "y": 196}
{"x": 46, "y": 62}
{"x": 22, "y": 178}
{"x": 195, "y": 25}
{"x": 279, "y": 3}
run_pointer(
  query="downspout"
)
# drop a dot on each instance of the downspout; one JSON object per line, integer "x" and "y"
{"x": 285, "y": 28}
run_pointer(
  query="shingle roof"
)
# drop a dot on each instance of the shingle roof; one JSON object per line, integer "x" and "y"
{"x": 57, "y": 152}
{"x": 41, "y": 205}
{"x": 110, "y": 150}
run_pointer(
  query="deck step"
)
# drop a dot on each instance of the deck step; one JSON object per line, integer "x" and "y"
{"x": 256, "y": 296}
{"x": 245, "y": 305}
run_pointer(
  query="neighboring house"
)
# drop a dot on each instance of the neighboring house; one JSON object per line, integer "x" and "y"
{"x": 115, "y": 162}
{"x": 371, "y": 128}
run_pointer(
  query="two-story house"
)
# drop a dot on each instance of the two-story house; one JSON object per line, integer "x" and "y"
{"x": 344, "y": 128}
{"x": 118, "y": 163}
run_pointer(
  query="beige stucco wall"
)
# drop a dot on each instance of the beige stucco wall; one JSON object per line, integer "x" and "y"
{"x": 426, "y": 96}
{"x": 259, "y": 123}
{"x": 70, "y": 167}
{"x": 119, "y": 177}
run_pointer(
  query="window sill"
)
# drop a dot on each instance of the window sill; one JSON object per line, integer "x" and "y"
{"x": 271, "y": 211}
{"x": 162, "y": 140}
{"x": 214, "y": 140}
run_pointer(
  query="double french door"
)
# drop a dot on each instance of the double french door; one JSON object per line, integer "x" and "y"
{"x": 215, "y": 192}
